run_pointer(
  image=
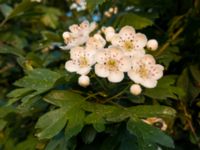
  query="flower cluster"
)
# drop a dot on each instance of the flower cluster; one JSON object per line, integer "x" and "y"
{"x": 79, "y": 5}
{"x": 111, "y": 11}
{"x": 112, "y": 55}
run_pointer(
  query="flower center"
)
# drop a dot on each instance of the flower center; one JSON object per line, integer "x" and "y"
{"x": 111, "y": 64}
{"x": 128, "y": 45}
{"x": 143, "y": 71}
{"x": 83, "y": 62}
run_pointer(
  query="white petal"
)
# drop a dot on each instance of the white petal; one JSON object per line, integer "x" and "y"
{"x": 74, "y": 28}
{"x": 127, "y": 32}
{"x": 76, "y": 52}
{"x": 125, "y": 64}
{"x": 101, "y": 57}
{"x": 134, "y": 76}
{"x": 71, "y": 66}
{"x": 109, "y": 33}
{"x": 96, "y": 42}
{"x": 85, "y": 24}
{"x": 116, "y": 40}
{"x": 84, "y": 70}
{"x": 149, "y": 83}
{"x": 156, "y": 71}
{"x": 115, "y": 53}
{"x": 93, "y": 26}
{"x": 101, "y": 70}
{"x": 116, "y": 76}
{"x": 148, "y": 59}
{"x": 140, "y": 41}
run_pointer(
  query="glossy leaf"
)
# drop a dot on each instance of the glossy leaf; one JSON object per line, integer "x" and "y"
{"x": 138, "y": 22}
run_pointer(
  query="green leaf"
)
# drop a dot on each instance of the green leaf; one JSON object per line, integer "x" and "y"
{"x": 28, "y": 144}
{"x": 70, "y": 113}
{"x": 50, "y": 17}
{"x": 185, "y": 82}
{"x": 40, "y": 80}
{"x": 19, "y": 92}
{"x": 165, "y": 89}
{"x": 92, "y": 5}
{"x": 169, "y": 55}
{"x": 195, "y": 74}
{"x": 2, "y": 124}
{"x": 138, "y": 22}
{"x": 6, "y": 9}
{"x": 148, "y": 134}
{"x": 5, "y": 49}
{"x": 51, "y": 123}
{"x": 5, "y": 111}
{"x": 20, "y": 9}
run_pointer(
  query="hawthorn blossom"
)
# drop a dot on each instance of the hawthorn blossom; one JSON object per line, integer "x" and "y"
{"x": 111, "y": 64}
{"x": 78, "y": 34}
{"x": 109, "y": 32}
{"x": 145, "y": 71}
{"x": 81, "y": 61}
{"x": 130, "y": 42}
{"x": 96, "y": 42}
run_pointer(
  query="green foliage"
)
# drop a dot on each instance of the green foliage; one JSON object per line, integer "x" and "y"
{"x": 43, "y": 108}
{"x": 138, "y": 22}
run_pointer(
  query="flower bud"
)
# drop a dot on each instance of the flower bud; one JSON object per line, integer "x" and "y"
{"x": 152, "y": 44}
{"x": 135, "y": 89}
{"x": 84, "y": 81}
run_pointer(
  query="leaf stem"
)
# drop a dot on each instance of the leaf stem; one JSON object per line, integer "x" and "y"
{"x": 165, "y": 46}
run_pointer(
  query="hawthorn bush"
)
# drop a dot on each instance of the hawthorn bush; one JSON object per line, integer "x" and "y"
{"x": 47, "y": 104}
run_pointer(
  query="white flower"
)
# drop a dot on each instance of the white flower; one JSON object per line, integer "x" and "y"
{"x": 130, "y": 42}
{"x": 79, "y": 5}
{"x": 81, "y": 60}
{"x": 79, "y": 34}
{"x": 145, "y": 71}
{"x": 96, "y": 42}
{"x": 109, "y": 32}
{"x": 135, "y": 89}
{"x": 84, "y": 81}
{"x": 111, "y": 64}
{"x": 152, "y": 44}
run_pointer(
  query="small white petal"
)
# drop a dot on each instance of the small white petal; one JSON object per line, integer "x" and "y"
{"x": 149, "y": 83}
{"x": 101, "y": 70}
{"x": 140, "y": 41}
{"x": 134, "y": 76}
{"x": 101, "y": 57}
{"x": 84, "y": 70}
{"x": 125, "y": 64}
{"x": 76, "y": 52}
{"x": 116, "y": 76}
{"x": 127, "y": 32}
{"x": 109, "y": 32}
{"x": 148, "y": 59}
{"x": 116, "y": 40}
{"x": 135, "y": 89}
{"x": 152, "y": 44}
{"x": 156, "y": 71}
{"x": 71, "y": 66}
{"x": 84, "y": 81}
